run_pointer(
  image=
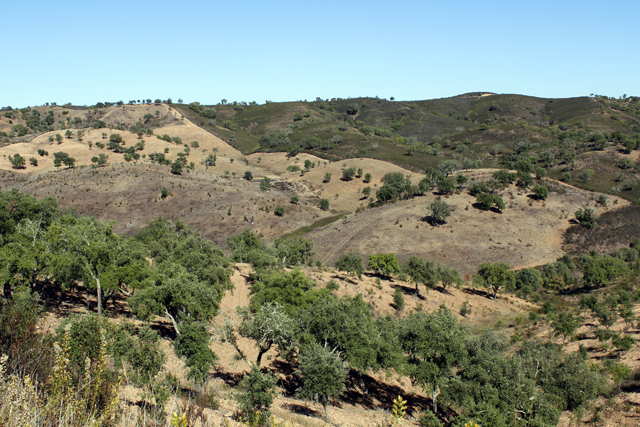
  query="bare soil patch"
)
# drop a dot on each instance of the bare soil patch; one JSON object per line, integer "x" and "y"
{"x": 527, "y": 233}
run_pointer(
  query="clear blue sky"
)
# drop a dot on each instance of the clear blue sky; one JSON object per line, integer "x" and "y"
{"x": 89, "y": 51}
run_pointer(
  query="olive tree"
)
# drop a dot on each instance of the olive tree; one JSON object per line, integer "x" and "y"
{"x": 438, "y": 211}
{"x": 269, "y": 326}
{"x": 351, "y": 263}
{"x": 541, "y": 192}
{"x": 384, "y": 264}
{"x": 495, "y": 276}
{"x": 258, "y": 395}
{"x": 421, "y": 271}
{"x": 323, "y": 374}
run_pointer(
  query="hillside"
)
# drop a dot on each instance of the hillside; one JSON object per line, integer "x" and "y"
{"x": 219, "y": 202}
{"x": 420, "y": 134}
{"x": 290, "y": 191}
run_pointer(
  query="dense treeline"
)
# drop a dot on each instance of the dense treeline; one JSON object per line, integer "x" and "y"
{"x": 168, "y": 270}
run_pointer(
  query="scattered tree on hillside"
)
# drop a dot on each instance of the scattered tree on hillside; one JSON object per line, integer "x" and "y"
{"x": 268, "y": 326}
{"x": 348, "y": 173}
{"x": 448, "y": 167}
{"x": 421, "y": 271}
{"x": 176, "y": 168}
{"x": 541, "y": 192}
{"x": 486, "y": 201}
{"x": 265, "y": 184}
{"x": 323, "y": 374}
{"x": 435, "y": 345}
{"x": 99, "y": 160}
{"x": 438, "y": 211}
{"x": 445, "y": 186}
{"x": 258, "y": 395}
{"x": 17, "y": 161}
{"x": 448, "y": 275}
{"x": 384, "y": 264}
{"x": 495, "y": 277}
{"x": 566, "y": 324}
{"x": 586, "y": 217}
{"x": 351, "y": 263}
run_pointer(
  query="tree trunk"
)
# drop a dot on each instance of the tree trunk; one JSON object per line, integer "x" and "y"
{"x": 495, "y": 294}
{"x": 262, "y": 351}
{"x": 175, "y": 325}
{"x": 99, "y": 296}
{"x": 363, "y": 386}
{"x": 434, "y": 396}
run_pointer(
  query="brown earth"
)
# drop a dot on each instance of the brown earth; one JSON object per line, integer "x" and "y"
{"x": 527, "y": 233}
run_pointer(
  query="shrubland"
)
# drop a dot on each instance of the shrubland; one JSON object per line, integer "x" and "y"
{"x": 167, "y": 270}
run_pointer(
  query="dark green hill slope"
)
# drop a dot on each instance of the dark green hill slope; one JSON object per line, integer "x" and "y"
{"x": 563, "y": 136}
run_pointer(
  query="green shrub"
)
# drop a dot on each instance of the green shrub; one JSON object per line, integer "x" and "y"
{"x": 429, "y": 419}
{"x": 259, "y": 391}
{"x": 332, "y": 285}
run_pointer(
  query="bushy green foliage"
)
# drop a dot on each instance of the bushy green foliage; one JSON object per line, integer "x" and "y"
{"x": 28, "y": 348}
{"x": 586, "y": 217}
{"x": 269, "y": 325}
{"x": 438, "y": 211}
{"x": 292, "y": 290}
{"x": 143, "y": 352}
{"x": 248, "y": 247}
{"x": 189, "y": 277}
{"x": 398, "y": 298}
{"x": 489, "y": 375}
{"x": 361, "y": 343}
{"x": 294, "y": 250}
{"x": 429, "y": 419}
{"x": 193, "y": 344}
{"x": 448, "y": 276}
{"x": 265, "y": 184}
{"x": 566, "y": 324}
{"x": 478, "y": 188}
{"x": 351, "y": 263}
{"x": 434, "y": 343}
{"x": 600, "y": 270}
{"x": 384, "y": 264}
{"x": 541, "y": 192}
{"x": 486, "y": 201}
{"x": 495, "y": 277}
{"x": 421, "y": 272}
{"x": 323, "y": 373}
{"x": 348, "y": 173}
{"x": 528, "y": 281}
{"x": 259, "y": 391}
{"x": 86, "y": 334}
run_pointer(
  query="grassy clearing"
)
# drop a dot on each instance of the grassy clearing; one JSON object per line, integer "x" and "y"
{"x": 308, "y": 228}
